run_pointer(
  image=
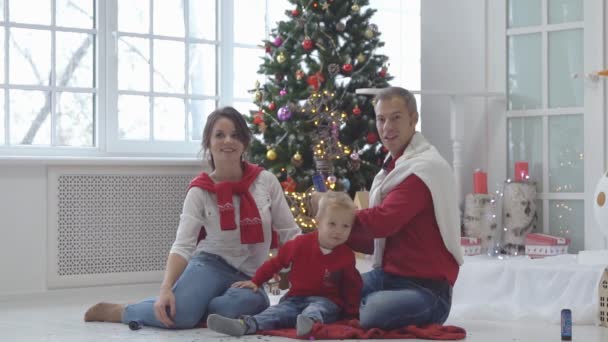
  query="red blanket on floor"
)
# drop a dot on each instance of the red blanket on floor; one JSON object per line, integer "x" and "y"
{"x": 350, "y": 329}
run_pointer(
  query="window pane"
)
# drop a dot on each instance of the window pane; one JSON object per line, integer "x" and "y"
{"x": 562, "y": 11}
{"x": 30, "y": 122}
{"x": 199, "y": 110}
{"x": 524, "y": 13}
{"x": 134, "y": 16}
{"x": 133, "y": 64}
{"x": 2, "y": 119}
{"x": 525, "y": 71}
{"x": 75, "y": 59}
{"x": 202, "y": 19}
{"x": 565, "y": 59}
{"x": 202, "y": 71}
{"x": 276, "y": 11}
{"x": 74, "y": 119}
{"x": 245, "y": 74}
{"x": 567, "y": 219}
{"x": 134, "y": 117}
{"x": 1, "y": 10}
{"x": 244, "y": 107}
{"x": 247, "y": 30}
{"x": 169, "y": 66}
{"x": 30, "y": 56}
{"x": 566, "y": 148}
{"x": 525, "y": 143}
{"x": 20, "y": 11}
{"x": 72, "y": 13}
{"x": 169, "y": 18}
{"x": 169, "y": 119}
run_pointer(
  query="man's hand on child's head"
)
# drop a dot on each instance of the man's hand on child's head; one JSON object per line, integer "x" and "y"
{"x": 246, "y": 284}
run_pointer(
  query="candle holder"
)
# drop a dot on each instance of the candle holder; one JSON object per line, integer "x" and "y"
{"x": 519, "y": 215}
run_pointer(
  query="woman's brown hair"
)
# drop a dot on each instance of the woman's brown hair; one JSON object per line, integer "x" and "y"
{"x": 243, "y": 132}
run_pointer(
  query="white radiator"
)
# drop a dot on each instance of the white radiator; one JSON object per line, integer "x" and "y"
{"x": 112, "y": 225}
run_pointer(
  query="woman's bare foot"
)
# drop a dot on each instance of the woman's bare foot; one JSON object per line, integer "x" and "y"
{"x": 104, "y": 312}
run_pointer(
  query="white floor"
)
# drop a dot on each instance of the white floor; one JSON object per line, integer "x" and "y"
{"x": 57, "y": 316}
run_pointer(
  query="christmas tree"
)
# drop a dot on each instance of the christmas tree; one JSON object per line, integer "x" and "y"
{"x": 308, "y": 118}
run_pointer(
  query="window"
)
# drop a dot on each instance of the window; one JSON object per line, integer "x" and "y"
{"x": 48, "y": 85}
{"x": 138, "y": 77}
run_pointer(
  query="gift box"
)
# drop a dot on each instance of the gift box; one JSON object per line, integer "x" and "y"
{"x": 471, "y": 245}
{"x": 542, "y": 245}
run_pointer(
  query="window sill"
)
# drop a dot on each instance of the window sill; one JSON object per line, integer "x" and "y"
{"x": 89, "y": 161}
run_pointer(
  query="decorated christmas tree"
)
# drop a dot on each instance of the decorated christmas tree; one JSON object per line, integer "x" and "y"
{"x": 308, "y": 118}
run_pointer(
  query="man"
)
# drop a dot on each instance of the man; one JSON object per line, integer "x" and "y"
{"x": 412, "y": 226}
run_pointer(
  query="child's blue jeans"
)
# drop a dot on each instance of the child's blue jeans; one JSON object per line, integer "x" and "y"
{"x": 203, "y": 289}
{"x": 389, "y": 301}
{"x": 284, "y": 314}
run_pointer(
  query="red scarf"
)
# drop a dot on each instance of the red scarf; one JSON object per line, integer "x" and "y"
{"x": 250, "y": 221}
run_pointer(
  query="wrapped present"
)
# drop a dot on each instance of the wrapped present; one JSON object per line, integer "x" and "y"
{"x": 542, "y": 245}
{"x": 471, "y": 245}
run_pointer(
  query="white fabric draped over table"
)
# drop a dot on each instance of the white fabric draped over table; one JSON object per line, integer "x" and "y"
{"x": 520, "y": 288}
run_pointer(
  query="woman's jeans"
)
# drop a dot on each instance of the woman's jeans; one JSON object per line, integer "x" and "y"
{"x": 389, "y": 301}
{"x": 284, "y": 314}
{"x": 203, "y": 289}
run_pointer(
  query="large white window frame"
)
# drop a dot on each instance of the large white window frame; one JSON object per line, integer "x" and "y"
{"x": 106, "y": 142}
{"x": 594, "y": 119}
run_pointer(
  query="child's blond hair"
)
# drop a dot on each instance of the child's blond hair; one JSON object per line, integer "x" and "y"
{"x": 335, "y": 199}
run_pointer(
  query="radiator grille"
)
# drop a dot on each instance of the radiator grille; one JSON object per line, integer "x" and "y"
{"x": 114, "y": 224}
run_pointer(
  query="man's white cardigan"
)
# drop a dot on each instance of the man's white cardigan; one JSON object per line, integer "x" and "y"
{"x": 423, "y": 160}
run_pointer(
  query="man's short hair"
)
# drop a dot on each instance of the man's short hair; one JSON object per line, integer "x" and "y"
{"x": 404, "y": 94}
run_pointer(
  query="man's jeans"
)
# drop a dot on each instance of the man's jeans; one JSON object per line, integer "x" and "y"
{"x": 389, "y": 301}
{"x": 203, "y": 289}
{"x": 284, "y": 314}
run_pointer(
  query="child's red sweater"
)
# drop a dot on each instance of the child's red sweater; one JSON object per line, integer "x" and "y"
{"x": 313, "y": 273}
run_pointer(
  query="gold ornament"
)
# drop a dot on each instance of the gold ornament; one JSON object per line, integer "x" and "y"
{"x": 257, "y": 83}
{"x": 297, "y": 160}
{"x": 369, "y": 34}
{"x": 281, "y": 57}
{"x": 258, "y": 96}
{"x": 361, "y": 58}
{"x": 271, "y": 154}
{"x": 355, "y": 8}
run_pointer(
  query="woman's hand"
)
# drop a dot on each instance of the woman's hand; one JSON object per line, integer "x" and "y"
{"x": 246, "y": 284}
{"x": 166, "y": 300}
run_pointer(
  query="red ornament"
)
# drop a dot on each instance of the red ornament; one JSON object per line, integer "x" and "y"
{"x": 315, "y": 80}
{"x": 308, "y": 44}
{"x": 267, "y": 48}
{"x": 295, "y": 13}
{"x": 258, "y": 118}
{"x": 372, "y": 138}
{"x": 347, "y": 68}
{"x": 289, "y": 185}
{"x": 272, "y": 106}
{"x": 382, "y": 72}
{"x": 357, "y": 111}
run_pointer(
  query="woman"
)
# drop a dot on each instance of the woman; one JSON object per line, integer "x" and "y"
{"x": 228, "y": 221}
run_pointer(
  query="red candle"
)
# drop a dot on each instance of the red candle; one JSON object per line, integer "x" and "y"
{"x": 521, "y": 171}
{"x": 480, "y": 182}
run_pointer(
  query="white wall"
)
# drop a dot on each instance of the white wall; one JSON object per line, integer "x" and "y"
{"x": 454, "y": 59}
{"x": 22, "y": 229}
